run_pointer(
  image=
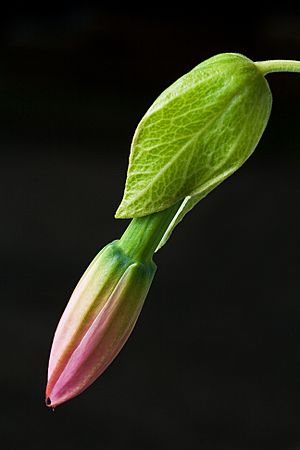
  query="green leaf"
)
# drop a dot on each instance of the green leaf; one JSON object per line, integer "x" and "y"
{"x": 196, "y": 134}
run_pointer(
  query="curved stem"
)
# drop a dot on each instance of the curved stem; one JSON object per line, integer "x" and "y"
{"x": 278, "y": 65}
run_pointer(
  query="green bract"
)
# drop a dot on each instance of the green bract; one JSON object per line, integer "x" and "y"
{"x": 197, "y": 133}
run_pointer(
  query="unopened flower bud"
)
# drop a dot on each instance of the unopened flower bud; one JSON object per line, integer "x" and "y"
{"x": 97, "y": 321}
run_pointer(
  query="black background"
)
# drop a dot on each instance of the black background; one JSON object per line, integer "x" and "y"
{"x": 214, "y": 361}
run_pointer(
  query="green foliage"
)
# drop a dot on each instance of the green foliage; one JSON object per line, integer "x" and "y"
{"x": 196, "y": 134}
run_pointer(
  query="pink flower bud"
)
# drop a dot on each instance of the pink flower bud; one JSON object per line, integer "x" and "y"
{"x": 97, "y": 321}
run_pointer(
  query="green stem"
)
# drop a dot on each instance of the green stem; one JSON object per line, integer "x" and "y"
{"x": 143, "y": 234}
{"x": 278, "y": 65}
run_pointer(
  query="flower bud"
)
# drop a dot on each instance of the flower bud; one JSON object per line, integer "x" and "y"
{"x": 97, "y": 321}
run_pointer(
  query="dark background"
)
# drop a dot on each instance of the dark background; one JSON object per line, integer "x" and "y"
{"x": 214, "y": 361}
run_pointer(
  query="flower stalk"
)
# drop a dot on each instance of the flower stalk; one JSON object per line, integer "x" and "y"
{"x": 278, "y": 65}
{"x": 143, "y": 234}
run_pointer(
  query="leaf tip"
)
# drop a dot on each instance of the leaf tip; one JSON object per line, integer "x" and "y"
{"x": 121, "y": 213}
